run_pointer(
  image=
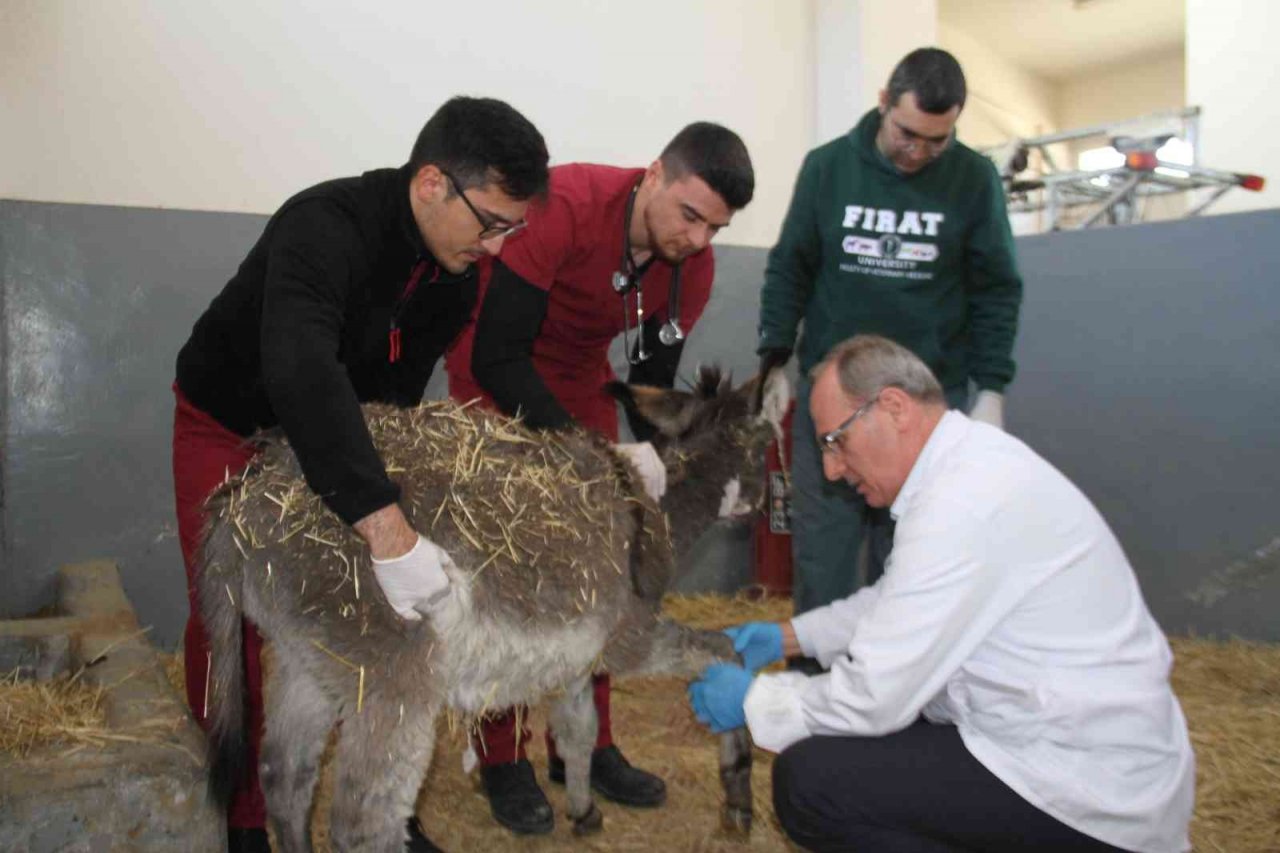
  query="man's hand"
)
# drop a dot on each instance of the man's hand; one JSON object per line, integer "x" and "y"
{"x": 717, "y": 697}
{"x": 989, "y": 408}
{"x": 414, "y": 582}
{"x": 759, "y": 643}
{"x": 769, "y": 359}
{"x": 409, "y": 568}
{"x": 653, "y": 474}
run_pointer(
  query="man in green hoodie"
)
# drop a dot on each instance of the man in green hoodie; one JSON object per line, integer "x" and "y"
{"x": 895, "y": 229}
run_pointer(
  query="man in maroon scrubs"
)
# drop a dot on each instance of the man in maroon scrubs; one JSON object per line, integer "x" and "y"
{"x": 609, "y": 251}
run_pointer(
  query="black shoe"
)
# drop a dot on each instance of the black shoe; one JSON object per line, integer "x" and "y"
{"x": 418, "y": 841}
{"x": 613, "y": 778}
{"x": 515, "y": 798}
{"x": 809, "y": 666}
{"x": 247, "y": 840}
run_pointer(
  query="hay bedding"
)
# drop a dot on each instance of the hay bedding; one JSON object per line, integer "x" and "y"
{"x": 63, "y": 713}
{"x": 1229, "y": 691}
{"x": 520, "y": 512}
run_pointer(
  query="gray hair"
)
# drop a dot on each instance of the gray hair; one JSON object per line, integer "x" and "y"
{"x": 865, "y": 364}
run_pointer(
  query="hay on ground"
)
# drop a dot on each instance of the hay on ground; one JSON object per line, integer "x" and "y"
{"x": 64, "y": 711}
{"x": 1229, "y": 691}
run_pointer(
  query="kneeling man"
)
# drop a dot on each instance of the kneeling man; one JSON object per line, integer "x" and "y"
{"x": 1002, "y": 687}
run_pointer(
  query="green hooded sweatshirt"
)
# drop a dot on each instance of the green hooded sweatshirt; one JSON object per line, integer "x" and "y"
{"x": 925, "y": 259}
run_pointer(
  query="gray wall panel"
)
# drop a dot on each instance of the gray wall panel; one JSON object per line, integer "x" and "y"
{"x": 97, "y": 302}
{"x": 1148, "y": 373}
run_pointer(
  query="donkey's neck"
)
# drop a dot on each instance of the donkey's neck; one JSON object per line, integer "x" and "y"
{"x": 692, "y": 505}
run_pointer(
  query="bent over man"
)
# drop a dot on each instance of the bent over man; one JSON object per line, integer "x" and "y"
{"x": 611, "y": 251}
{"x": 352, "y": 293}
{"x": 1002, "y": 687}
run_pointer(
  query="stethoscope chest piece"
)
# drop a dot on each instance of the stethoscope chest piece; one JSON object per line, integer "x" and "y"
{"x": 670, "y": 334}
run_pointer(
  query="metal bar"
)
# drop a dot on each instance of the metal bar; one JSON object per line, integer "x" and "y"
{"x": 1099, "y": 129}
{"x": 1199, "y": 208}
{"x": 1112, "y": 200}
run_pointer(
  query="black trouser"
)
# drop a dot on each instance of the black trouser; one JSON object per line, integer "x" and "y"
{"x": 916, "y": 791}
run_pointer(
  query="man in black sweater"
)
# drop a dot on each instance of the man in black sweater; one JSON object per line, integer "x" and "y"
{"x": 350, "y": 296}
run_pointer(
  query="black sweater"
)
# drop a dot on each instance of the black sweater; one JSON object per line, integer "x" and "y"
{"x": 302, "y": 334}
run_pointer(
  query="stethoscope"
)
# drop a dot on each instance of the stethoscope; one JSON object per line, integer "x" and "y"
{"x": 629, "y": 278}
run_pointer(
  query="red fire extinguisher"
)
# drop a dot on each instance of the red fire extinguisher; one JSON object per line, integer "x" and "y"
{"x": 772, "y": 538}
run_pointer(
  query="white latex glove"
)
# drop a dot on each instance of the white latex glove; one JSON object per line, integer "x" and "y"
{"x": 989, "y": 408}
{"x": 415, "y": 582}
{"x": 653, "y": 474}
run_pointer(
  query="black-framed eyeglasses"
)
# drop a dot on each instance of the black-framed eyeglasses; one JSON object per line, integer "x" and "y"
{"x": 489, "y": 228}
{"x": 909, "y": 140}
{"x": 830, "y": 441}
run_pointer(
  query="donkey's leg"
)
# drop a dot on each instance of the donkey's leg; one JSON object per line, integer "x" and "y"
{"x": 573, "y": 721}
{"x": 735, "y": 778}
{"x": 299, "y": 717}
{"x": 669, "y": 648}
{"x": 686, "y": 652}
{"x": 383, "y": 753}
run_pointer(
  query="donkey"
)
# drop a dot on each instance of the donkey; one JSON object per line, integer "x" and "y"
{"x": 561, "y": 561}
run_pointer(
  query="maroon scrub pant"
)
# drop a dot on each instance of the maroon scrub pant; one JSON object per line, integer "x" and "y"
{"x": 500, "y": 742}
{"x": 205, "y": 453}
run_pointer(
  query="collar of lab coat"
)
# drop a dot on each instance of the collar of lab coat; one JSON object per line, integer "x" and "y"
{"x": 950, "y": 429}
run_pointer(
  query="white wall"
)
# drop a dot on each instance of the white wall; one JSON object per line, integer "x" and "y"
{"x": 1232, "y": 75}
{"x": 1005, "y": 100}
{"x": 1130, "y": 89}
{"x": 235, "y": 105}
{"x": 857, "y": 44}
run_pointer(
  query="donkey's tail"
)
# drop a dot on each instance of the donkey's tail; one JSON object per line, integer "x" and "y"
{"x": 222, "y": 610}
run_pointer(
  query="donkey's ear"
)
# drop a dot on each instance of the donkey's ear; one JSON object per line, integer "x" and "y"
{"x": 670, "y": 412}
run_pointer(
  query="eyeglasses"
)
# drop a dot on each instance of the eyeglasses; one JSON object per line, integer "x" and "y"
{"x": 490, "y": 229}
{"x": 909, "y": 140}
{"x": 830, "y": 442}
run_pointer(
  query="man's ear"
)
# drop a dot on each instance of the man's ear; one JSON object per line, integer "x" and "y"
{"x": 428, "y": 182}
{"x": 670, "y": 412}
{"x": 656, "y": 174}
{"x": 898, "y": 404}
{"x": 884, "y": 101}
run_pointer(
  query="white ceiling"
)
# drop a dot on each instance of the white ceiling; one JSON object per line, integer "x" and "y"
{"x": 1057, "y": 38}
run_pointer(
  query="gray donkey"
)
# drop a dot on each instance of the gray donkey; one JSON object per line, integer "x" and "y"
{"x": 561, "y": 564}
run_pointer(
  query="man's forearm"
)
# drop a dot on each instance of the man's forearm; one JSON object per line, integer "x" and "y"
{"x": 388, "y": 532}
{"x": 790, "y": 642}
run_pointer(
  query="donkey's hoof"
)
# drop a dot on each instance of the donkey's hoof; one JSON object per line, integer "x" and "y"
{"x": 590, "y": 823}
{"x": 735, "y": 821}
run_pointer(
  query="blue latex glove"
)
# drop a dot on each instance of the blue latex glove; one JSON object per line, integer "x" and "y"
{"x": 717, "y": 697}
{"x": 759, "y": 643}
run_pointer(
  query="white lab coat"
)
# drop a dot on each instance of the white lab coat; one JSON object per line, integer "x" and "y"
{"x": 1007, "y": 608}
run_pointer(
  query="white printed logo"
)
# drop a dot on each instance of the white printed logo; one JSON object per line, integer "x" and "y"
{"x": 889, "y": 247}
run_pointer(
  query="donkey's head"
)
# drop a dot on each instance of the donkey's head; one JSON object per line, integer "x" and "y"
{"x": 713, "y": 441}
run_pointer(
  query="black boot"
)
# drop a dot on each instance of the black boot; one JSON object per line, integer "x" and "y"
{"x": 613, "y": 778}
{"x": 515, "y": 798}
{"x": 418, "y": 841}
{"x": 247, "y": 840}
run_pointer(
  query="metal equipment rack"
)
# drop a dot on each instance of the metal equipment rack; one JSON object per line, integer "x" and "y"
{"x": 1115, "y": 196}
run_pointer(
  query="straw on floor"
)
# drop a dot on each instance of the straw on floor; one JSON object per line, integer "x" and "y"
{"x": 1229, "y": 691}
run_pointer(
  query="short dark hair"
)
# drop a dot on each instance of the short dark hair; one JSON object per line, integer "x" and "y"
{"x": 715, "y": 154}
{"x": 483, "y": 140}
{"x": 935, "y": 77}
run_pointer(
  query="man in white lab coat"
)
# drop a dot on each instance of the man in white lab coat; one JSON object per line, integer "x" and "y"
{"x": 1002, "y": 687}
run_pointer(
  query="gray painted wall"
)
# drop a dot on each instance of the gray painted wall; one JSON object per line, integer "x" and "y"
{"x": 1148, "y": 373}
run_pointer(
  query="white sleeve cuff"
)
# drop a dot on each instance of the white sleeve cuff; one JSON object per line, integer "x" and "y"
{"x": 774, "y": 712}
